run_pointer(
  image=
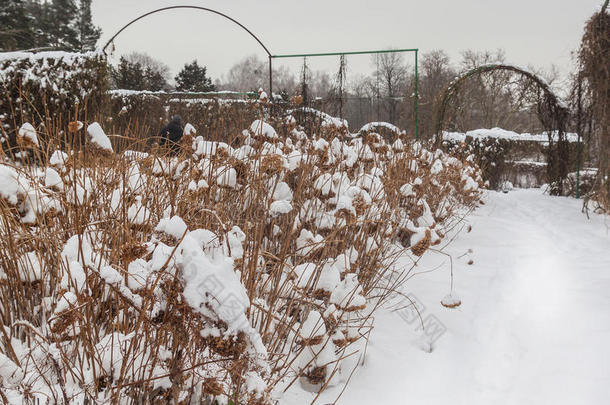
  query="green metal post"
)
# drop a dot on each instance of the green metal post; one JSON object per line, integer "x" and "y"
{"x": 416, "y": 101}
{"x": 270, "y": 79}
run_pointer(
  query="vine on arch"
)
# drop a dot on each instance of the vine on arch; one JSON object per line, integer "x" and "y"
{"x": 592, "y": 94}
{"x": 551, "y": 110}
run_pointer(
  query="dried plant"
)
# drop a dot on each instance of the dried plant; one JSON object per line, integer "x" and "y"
{"x": 223, "y": 273}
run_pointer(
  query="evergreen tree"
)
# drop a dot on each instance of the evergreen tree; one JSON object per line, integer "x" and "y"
{"x": 134, "y": 76}
{"x": 193, "y": 77}
{"x": 42, "y": 22}
{"x": 88, "y": 34}
{"x": 156, "y": 73}
{"x": 16, "y": 30}
{"x": 63, "y": 32}
{"x": 128, "y": 75}
{"x": 61, "y": 24}
{"x": 154, "y": 80}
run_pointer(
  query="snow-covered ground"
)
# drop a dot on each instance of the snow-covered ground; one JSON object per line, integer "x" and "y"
{"x": 533, "y": 327}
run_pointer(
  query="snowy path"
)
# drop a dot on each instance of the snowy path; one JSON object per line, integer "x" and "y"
{"x": 533, "y": 327}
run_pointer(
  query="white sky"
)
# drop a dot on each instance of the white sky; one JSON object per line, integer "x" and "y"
{"x": 532, "y": 32}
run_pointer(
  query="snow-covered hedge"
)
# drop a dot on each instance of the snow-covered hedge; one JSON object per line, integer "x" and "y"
{"x": 47, "y": 85}
{"x": 215, "y": 118}
{"x": 496, "y": 150}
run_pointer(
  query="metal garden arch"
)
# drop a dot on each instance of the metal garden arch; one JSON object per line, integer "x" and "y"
{"x": 553, "y": 114}
{"x": 196, "y": 8}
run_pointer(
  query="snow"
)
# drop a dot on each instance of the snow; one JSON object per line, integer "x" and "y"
{"x": 398, "y": 145}
{"x": 110, "y": 275}
{"x": 307, "y": 242}
{"x": 53, "y": 179}
{"x": 372, "y": 125}
{"x": 68, "y": 57}
{"x": 255, "y": 383}
{"x": 30, "y": 267}
{"x": 499, "y": 133}
{"x": 9, "y": 184}
{"x": 210, "y": 148}
{"x": 174, "y": 227}
{"x": 437, "y": 167}
{"x": 28, "y": 132}
{"x": 9, "y": 371}
{"x": 226, "y": 176}
{"x": 205, "y": 278}
{"x": 67, "y": 301}
{"x": 451, "y": 301}
{"x": 348, "y": 293}
{"x": 189, "y": 129}
{"x": 58, "y": 159}
{"x": 138, "y": 214}
{"x": 327, "y": 120}
{"x": 313, "y": 326}
{"x": 280, "y": 207}
{"x": 282, "y": 192}
{"x": 533, "y": 324}
{"x": 260, "y": 127}
{"x": 304, "y": 272}
{"x": 407, "y": 190}
{"x": 98, "y": 137}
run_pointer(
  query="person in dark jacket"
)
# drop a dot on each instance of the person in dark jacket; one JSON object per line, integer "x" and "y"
{"x": 171, "y": 134}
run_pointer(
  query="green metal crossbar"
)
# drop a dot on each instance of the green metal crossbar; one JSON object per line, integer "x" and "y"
{"x": 304, "y": 55}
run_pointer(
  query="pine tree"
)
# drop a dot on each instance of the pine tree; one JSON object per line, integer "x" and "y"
{"x": 42, "y": 22}
{"x": 61, "y": 24}
{"x": 154, "y": 80}
{"x": 128, "y": 75}
{"x": 16, "y": 31}
{"x": 135, "y": 76}
{"x": 88, "y": 34}
{"x": 193, "y": 77}
{"x": 156, "y": 73}
{"x": 63, "y": 31}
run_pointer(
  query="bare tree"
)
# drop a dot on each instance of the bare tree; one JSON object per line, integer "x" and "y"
{"x": 251, "y": 73}
{"x": 485, "y": 97}
{"x": 391, "y": 81}
{"x": 436, "y": 73}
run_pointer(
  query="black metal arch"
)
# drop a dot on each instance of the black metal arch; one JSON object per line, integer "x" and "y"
{"x": 188, "y": 7}
{"x": 450, "y": 91}
{"x": 553, "y": 114}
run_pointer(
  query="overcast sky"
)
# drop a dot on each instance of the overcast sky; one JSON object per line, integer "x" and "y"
{"x": 532, "y": 32}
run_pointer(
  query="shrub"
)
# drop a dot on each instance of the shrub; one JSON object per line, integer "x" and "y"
{"x": 224, "y": 273}
{"x": 44, "y": 87}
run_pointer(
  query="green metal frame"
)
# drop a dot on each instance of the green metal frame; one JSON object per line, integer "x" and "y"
{"x": 304, "y": 55}
{"x": 271, "y": 57}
